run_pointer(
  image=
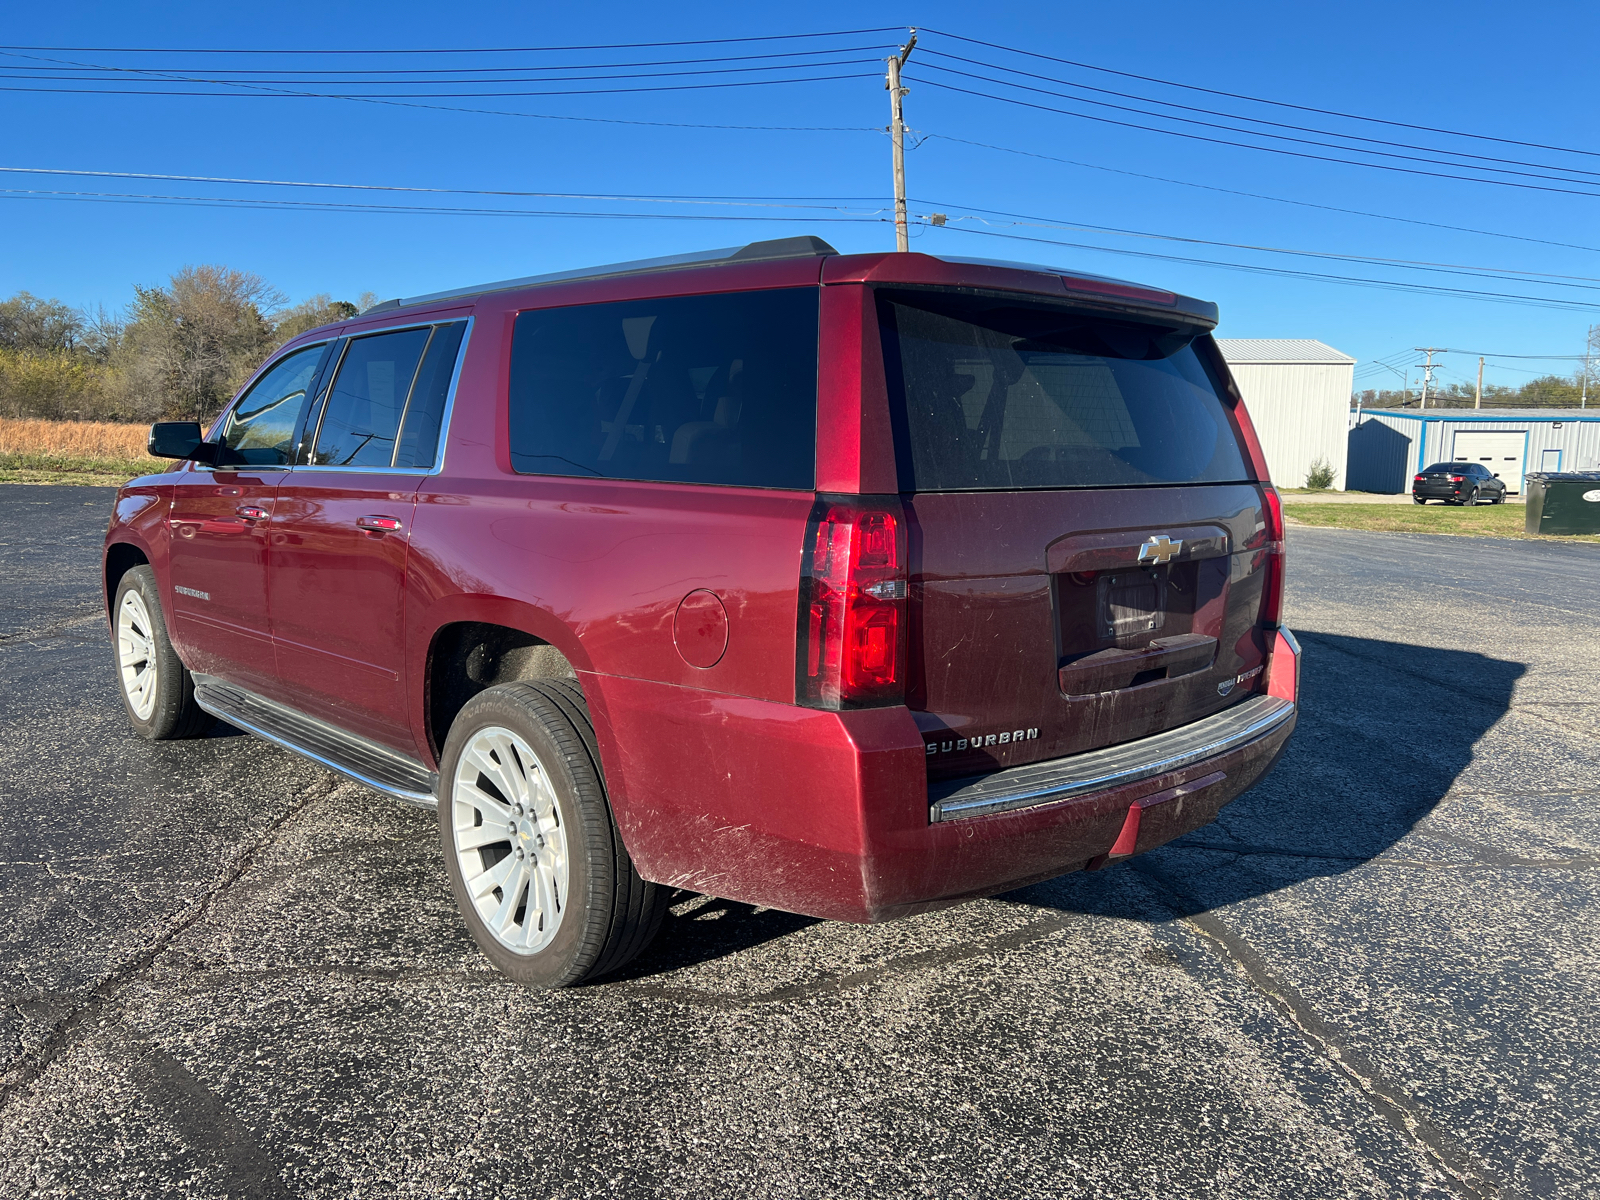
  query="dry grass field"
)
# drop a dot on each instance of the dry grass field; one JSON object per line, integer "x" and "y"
{"x": 91, "y": 452}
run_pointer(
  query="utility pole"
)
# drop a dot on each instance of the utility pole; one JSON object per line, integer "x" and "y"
{"x": 1427, "y": 369}
{"x": 1477, "y": 401}
{"x": 897, "y": 135}
{"x": 1588, "y": 348}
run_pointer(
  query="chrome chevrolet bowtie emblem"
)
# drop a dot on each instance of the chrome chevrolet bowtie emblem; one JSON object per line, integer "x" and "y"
{"x": 1159, "y": 550}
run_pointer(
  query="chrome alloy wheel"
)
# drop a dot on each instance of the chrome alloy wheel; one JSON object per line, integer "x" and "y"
{"x": 510, "y": 840}
{"x": 136, "y": 654}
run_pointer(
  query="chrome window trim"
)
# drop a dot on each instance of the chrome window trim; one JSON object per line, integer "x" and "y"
{"x": 444, "y": 417}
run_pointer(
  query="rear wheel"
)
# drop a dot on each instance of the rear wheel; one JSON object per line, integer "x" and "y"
{"x": 1419, "y": 499}
{"x": 535, "y": 859}
{"x": 1471, "y": 498}
{"x": 156, "y": 687}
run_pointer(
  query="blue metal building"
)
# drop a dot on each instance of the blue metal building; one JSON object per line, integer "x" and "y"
{"x": 1388, "y": 446}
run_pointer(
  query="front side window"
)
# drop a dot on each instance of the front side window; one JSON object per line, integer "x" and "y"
{"x": 260, "y": 430}
{"x": 718, "y": 389}
{"x": 1007, "y": 393}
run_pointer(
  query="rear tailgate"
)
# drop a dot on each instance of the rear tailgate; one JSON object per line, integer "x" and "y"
{"x": 1088, "y": 545}
{"x": 1036, "y": 633}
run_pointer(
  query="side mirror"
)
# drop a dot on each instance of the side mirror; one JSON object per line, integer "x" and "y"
{"x": 1497, "y": 477}
{"x": 180, "y": 439}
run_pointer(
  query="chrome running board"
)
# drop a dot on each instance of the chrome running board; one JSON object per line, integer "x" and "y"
{"x": 1096, "y": 770}
{"x": 378, "y": 767}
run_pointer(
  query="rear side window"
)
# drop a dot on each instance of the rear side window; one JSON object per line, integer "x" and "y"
{"x": 260, "y": 429}
{"x": 695, "y": 389}
{"x": 419, "y": 431}
{"x": 1005, "y": 393}
{"x": 387, "y": 399}
{"x": 361, "y": 422}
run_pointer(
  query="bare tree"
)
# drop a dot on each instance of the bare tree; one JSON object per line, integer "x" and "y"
{"x": 189, "y": 345}
{"x": 30, "y": 325}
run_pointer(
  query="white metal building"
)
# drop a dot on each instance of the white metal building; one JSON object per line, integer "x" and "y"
{"x": 1389, "y": 446}
{"x": 1298, "y": 393}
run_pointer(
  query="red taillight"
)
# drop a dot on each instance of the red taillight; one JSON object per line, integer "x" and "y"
{"x": 1458, "y": 479}
{"x": 852, "y": 626}
{"x": 1272, "y": 513}
{"x": 1271, "y": 552}
{"x": 1418, "y": 478}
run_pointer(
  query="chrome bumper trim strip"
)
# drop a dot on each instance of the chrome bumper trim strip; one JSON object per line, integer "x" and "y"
{"x": 1063, "y": 778}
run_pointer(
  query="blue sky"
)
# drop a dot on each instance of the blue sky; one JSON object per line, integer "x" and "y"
{"x": 1474, "y": 68}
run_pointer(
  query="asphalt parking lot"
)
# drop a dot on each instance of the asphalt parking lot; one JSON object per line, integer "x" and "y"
{"x": 227, "y": 973}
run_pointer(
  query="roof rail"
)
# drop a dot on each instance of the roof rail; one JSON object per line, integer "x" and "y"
{"x": 791, "y": 247}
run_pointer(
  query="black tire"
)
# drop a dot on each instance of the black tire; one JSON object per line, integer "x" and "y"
{"x": 1419, "y": 499}
{"x": 1472, "y": 499}
{"x": 172, "y": 712}
{"x": 609, "y": 914}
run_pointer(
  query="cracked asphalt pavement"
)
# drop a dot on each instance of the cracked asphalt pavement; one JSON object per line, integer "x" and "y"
{"x": 227, "y": 972}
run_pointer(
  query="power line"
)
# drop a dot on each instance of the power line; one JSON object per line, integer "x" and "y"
{"x": 774, "y": 37}
{"x": 775, "y": 201}
{"x": 1189, "y": 183}
{"x": 1316, "y": 276}
{"x": 1538, "y": 277}
{"x": 485, "y": 71}
{"x": 790, "y": 207}
{"x": 255, "y": 202}
{"x": 385, "y": 187}
{"x": 1249, "y": 145}
{"x": 1326, "y": 112}
{"x": 276, "y": 93}
{"x": 1234, "y": 117}
{"x": 260, "y": 84}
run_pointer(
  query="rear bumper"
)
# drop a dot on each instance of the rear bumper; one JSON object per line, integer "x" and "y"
{"x": 830, "y": 814}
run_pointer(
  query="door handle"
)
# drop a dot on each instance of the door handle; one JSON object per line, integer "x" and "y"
{"x": 379, "y": 524}
{"x": 251, "y": 513}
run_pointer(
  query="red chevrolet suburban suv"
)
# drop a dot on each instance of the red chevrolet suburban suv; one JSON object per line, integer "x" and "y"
{"x": 851, "y": 585}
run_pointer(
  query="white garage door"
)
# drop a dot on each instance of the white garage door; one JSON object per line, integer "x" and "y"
{"x": 1502, "y": 453}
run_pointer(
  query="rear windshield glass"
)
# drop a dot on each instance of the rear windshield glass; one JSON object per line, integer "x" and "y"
{"x": 1006, "y": 393}
{"x": 715, "y": 389}
{"x": 1448, "y": 469}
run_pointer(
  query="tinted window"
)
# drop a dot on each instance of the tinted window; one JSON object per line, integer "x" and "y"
{"x": 361, "y": 419}
{"x": 419, "y": 429}
{"x": 260, "y": 429}
{"x": 1452, "y": 468}
{"x": 697, "y": 389}
{"x": 1006, "y": 394}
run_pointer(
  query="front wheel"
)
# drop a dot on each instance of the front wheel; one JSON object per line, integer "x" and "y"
{"x": 537, "y": 864}
{"x": 156, "y": 687}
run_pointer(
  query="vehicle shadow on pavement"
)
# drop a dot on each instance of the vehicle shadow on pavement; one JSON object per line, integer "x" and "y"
{"x": 700, "y": 929}
{"x": 1384, "y": 731}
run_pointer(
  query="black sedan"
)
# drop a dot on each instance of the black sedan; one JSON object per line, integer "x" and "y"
{"x": 1458, "y": 483}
